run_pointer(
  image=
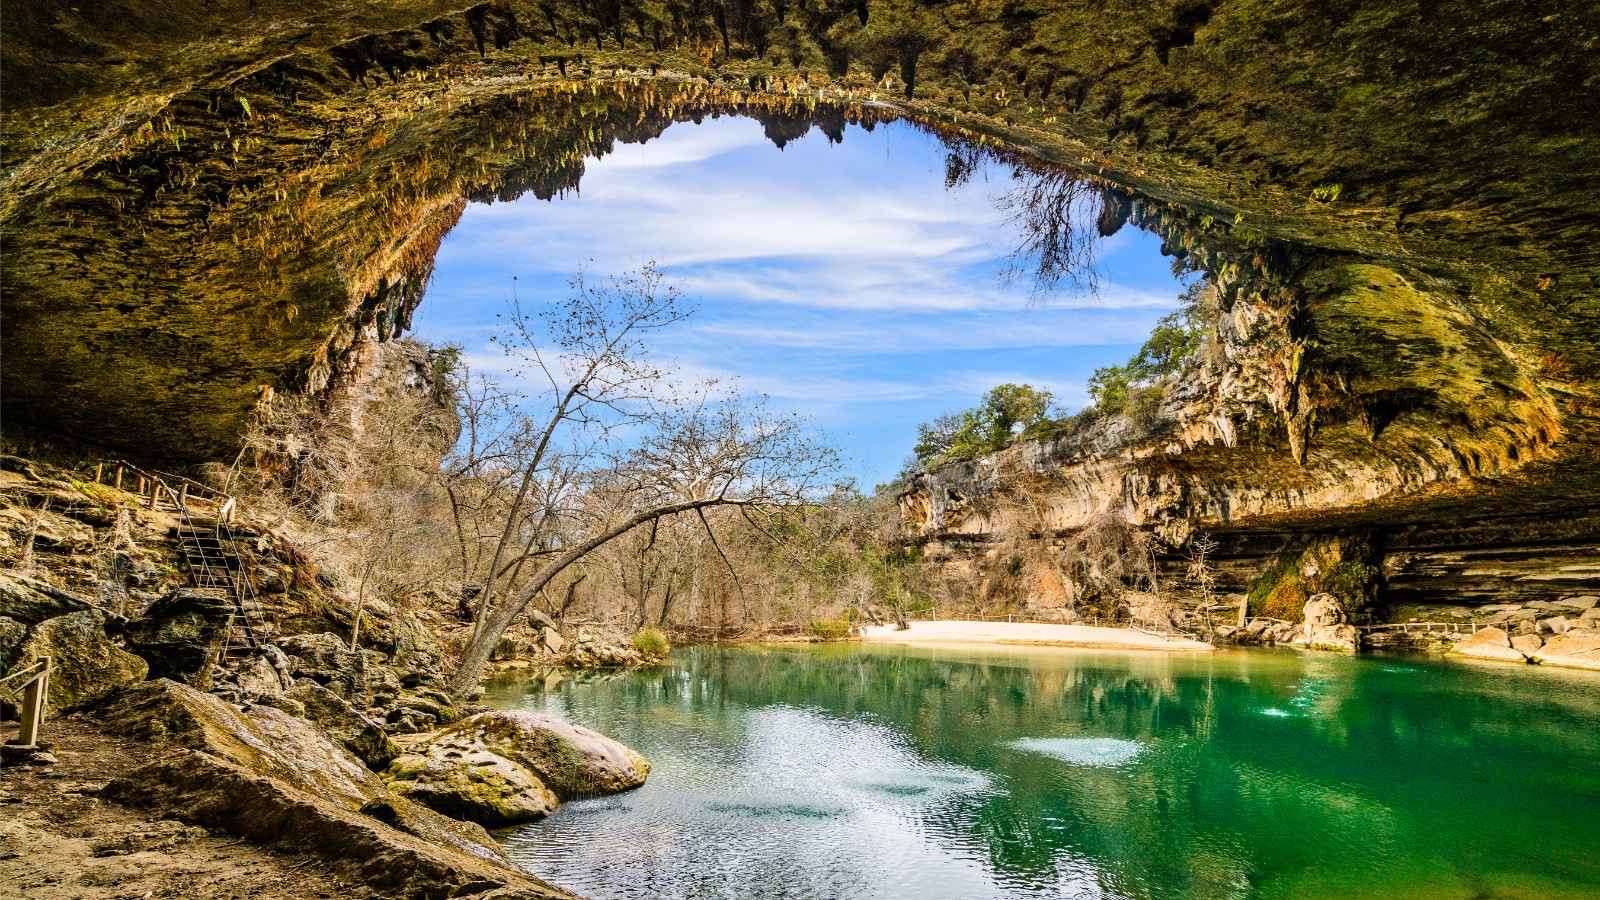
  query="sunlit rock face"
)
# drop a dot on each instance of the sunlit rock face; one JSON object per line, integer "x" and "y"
{"x": 1394, "y": 203}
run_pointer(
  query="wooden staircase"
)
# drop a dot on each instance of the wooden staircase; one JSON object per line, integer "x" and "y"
{"x": 210, "y": 551}
{"x": 215, "y": 566}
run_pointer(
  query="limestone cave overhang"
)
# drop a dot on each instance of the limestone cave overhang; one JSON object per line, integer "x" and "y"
{"x": 200, "y": 205}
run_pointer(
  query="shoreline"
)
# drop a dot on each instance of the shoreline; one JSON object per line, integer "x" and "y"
{"x": 1093, "y": 637}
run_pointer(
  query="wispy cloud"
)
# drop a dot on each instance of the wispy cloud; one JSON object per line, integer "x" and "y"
{"x": 843, "y": 281}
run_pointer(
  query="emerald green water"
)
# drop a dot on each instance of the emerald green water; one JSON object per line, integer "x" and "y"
{"x": 866, "y": 772}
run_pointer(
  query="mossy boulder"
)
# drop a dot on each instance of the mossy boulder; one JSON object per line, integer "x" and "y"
{"x": 505, "y": 767}
{"x": 326, "y": 659}
{"x": 263, "y": 739}
{"x": 12, "y": 634}
{"x": 86, "y": 663}
{"x": 471, "y": 783}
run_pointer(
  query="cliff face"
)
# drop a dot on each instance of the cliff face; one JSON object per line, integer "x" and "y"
{"x": 1395, "y": 202}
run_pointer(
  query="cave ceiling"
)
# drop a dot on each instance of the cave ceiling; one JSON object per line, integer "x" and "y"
{"x": 204, "y": 202}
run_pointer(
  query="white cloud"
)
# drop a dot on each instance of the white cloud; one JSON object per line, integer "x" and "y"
{"x": 681, "y": 145}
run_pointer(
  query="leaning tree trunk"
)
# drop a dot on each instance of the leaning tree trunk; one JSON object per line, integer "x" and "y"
{"x": 484, "y": 640}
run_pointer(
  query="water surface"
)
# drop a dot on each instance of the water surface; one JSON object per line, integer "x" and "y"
{"x": 882, "y": 771}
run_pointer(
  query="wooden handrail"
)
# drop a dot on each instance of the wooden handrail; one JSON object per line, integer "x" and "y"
{"x": 35, "y": 692}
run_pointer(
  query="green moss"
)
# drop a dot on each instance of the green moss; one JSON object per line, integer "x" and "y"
{"x": 1264, "y": 585}
{"x": 828, "y": 629}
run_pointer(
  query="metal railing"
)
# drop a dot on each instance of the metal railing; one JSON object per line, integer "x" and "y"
{"x": 193, "y": 530}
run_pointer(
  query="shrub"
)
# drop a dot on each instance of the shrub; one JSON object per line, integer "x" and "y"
{"x": 828, "y": 629}
{"x": 652, "y": 643}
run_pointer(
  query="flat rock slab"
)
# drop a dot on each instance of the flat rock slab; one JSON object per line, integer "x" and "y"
{"x": 1572, "y": 651}
{"x": 198, "y": 788}
{"x": 271, "y": 743}
{"x": 1489, "y": 643}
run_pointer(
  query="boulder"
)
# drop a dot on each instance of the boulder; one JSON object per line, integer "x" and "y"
{"x": 501, "y": 767}
{"x": 1526, "y": 644}
{"x": 326, "y": 659}
{"x": 1555, "y": 625}
{"x": 86, "y": 664}
{"x": 258, "y": 678}
{"x": 181, "y": 635}
{"x": 284, "y": 702}
{"x": 344, "y": 723}
{"x": 263, "y": 739}
{"x": 1488, "y": 643}
{"x": 268, "y": 742}
{"x": 1325, "y": 626}
{"x": 1580, "y": 603}
{"x": 31, "y": 601}
{"x": 470, "y": 782}
{"x": 571, "y": 760}
{"x": 1572, "y": 650}
{"x": 48, "y": 530}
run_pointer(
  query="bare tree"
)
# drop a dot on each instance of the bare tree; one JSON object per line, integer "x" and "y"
{"x": 729, "y": 452}
{"x": 591, "y": 352}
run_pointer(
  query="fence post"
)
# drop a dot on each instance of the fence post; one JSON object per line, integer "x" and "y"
{"x": 98, "y": 467}
{"x": 119, "y": 478}
{"x": 33, "y": 701}
{"x": 183, "y": 495}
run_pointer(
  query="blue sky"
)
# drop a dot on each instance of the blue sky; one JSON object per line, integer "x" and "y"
{"x": 842, "y": 280}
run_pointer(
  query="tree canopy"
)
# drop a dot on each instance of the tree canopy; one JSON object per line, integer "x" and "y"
{"x": 1007, "y": 411}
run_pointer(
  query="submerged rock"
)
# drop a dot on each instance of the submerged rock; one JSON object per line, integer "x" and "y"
{"x": 505, "y": 767}
{"x": 1489, "y": 643}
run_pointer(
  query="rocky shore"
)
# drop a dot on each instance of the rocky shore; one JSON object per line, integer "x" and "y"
{"x": 264, "y": 724}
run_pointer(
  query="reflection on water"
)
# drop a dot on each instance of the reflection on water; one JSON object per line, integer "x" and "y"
{"x": 1083, "y": 751}
{"x": 906, "y": 772}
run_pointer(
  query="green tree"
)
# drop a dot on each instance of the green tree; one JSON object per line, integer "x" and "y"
{"x": 1175, "y": 338}
{"x": 1007, "y": 411}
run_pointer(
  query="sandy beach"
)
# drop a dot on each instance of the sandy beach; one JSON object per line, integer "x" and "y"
{"x": 1031, "y": 633}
